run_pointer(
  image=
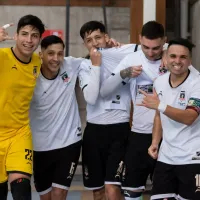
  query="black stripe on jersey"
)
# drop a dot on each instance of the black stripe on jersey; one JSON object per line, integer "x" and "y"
{"x": 181, "y": 82}
{"x": 49, "y": 78}
{"x": 112, "y": 74}
{"x": 84, "y": 86}
{"x": 136, "y": 47}
{"x": 123, "y": 82}
{"x": 19, "y": 59}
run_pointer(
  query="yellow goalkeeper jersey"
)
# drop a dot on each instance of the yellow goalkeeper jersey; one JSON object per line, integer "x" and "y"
{"x": 17, "y": 82}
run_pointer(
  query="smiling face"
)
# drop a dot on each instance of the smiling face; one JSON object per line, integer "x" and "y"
{"x": 52, "y": 57}
{"x": 152, "y": 48}
{"x": 27, "y": 41}
{"x": 178, "y": 60}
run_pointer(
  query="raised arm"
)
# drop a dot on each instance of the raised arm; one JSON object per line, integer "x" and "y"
{"x": 89, "y": 77}
{"x": 119, "y": 77}
{"x": 4, "y": 34}
{"x": 187, "y": 116}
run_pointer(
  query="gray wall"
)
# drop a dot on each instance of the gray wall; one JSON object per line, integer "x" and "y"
{"x": 55, "y": 18}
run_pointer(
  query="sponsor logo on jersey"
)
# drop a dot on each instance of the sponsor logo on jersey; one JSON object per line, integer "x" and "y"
{"x": 197, "y": 177}
{"x": 86, "y": 173}
{"x": 124, "y": 173}
{"x": 28, "y": 163}
{"x": 197, "y": 156}
{"x": 71, "y": 171}
{"x": 118, "y": 97}
{"x": 160, "y": 93}
{"x": 198, "y": 153}
{"x": 14, "y": 67}
{"x": 119, "y": 170}
{"x": 79, "y": 132}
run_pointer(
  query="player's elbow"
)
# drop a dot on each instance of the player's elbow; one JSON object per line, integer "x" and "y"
{"x": 103, "y": 93}
{"x": 190, "y": 120}
{"x": 91, "y": 99}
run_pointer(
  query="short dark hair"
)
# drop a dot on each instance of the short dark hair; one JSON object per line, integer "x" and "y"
{"x": 183, "y": 42}
{"x": 33, "y": 21}
{"x": 51, "y": 39}
{"x": 153, "y": 30}
{"x": 91, "y": 26}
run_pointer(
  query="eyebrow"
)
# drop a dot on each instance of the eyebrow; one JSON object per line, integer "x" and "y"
{"x": 32, "y": 33}
{"x": 89, "y": 37}
{"x": 172, "y": 54}
{"x": 152, "y": 47}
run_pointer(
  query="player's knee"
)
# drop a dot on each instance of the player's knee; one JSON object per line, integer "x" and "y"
{"x": 112, "y": 191}
{"x": 3, "y": 191}
{"x": 58, "y": 193}
{"x": 99, "y": 193}
{"x": 130, "y": 195}
{"x": 21, "y": 189}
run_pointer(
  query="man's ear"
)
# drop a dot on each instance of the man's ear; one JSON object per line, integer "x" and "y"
{"x": 41, "y": 55}
{"x": 140, "y": 39}
{"x": 164, "y": 40}
{"x": 107, "y": 38}
{"x": 15, "y": 36}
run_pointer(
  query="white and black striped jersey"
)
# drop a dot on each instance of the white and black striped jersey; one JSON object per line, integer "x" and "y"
{"x": 180, "y": 144}
{"x": 114, "y": 108}
{"x": 54, "y": 115}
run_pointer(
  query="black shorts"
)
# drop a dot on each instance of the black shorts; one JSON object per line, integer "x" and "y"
{"x": 103, "y": 154}
{"x": 55, "y": 168}
{"x": 172, "y": 181}
{"x": 138, "y": 165}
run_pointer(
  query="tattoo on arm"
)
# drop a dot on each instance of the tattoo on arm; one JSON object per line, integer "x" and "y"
{"x": 126, "y": 73}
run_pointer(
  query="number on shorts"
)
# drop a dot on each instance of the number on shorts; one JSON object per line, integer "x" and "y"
{"x": 28, "y": 155}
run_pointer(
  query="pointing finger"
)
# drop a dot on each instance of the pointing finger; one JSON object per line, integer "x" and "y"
{"x": 143, "y": 92}
{"x": 7, "y": 25}
{"x": 154, "y": 92}
{"x": 9, "y": 38}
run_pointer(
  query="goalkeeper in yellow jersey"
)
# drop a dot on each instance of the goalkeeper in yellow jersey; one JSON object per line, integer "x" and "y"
{"x": 19, "y": 69}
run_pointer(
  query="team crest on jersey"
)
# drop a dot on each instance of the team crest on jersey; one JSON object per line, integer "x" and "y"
{"x": 35, "y": 74}
{"x": 65, "y": 77}
{"x": 181, "y": 99}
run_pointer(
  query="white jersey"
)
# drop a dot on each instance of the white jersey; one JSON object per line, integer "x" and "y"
{"x": 116, "y": 107}
{"x": 142, "y": 117}
{"x": 181, "y": 143}
{"x": 54, "y": 115}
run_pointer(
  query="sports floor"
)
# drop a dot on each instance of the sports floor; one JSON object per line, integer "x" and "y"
{"x": 77, "y": 192}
